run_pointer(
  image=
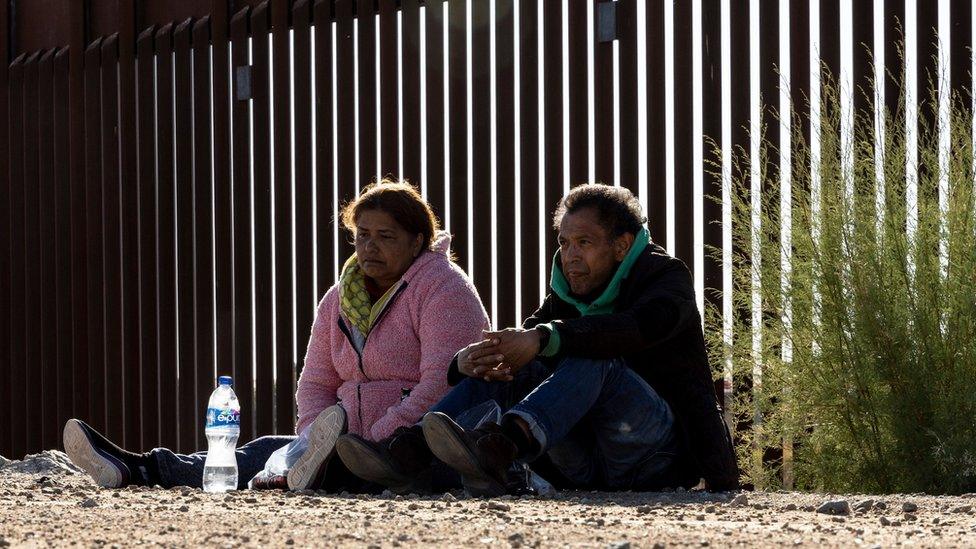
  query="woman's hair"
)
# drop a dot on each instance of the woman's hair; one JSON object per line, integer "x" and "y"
{"x": 398, "y": 199}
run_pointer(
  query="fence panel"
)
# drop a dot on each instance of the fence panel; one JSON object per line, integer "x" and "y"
{"x": 479, "y": 160}
{"x": 264, "y": 385}
{"x": 148, "y": 272}
{"x": 166, "y": 227}
{"x": 412, "y": 66}
{"x": 47, "y": 329}
{"x": 32, "y": 289}
{"x": 243, "y": 194}
{"x": 387, "y": 59}
{"x": 456, "y": 218}
{"x": 528, "y": 137}
{"x": 204, "y": 225}
{"x": 435, "y": 20}
{"x": 284, "y": 304}
{"x": 187, "y": 334}
{"x": 17, "y": 397}
{"x": 506, "y": 182}
{"x": 324, "y": 161}
{"x": 111, "y": 243}
{"x": 62, "y": 213}
{"x": 5, "y": 258}
{"x": 305, "y": 264}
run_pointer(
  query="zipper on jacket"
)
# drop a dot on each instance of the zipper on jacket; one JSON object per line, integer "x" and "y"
{"x": 359, "y": 354}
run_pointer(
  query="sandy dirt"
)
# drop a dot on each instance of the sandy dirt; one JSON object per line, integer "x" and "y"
{"x": 51, "y": 505}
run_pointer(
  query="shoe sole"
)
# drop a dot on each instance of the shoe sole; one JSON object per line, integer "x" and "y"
{"x": 368, "y": 464}
{"x": 83, "y": 453}
{"x": 446, "y": 441}
{"x": 322, "y": 436}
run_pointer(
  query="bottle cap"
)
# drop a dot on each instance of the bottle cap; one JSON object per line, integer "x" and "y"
{"x": 225, "y": 380}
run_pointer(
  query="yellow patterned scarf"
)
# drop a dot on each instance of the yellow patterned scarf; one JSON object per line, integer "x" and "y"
{"x": 354, "y": 300}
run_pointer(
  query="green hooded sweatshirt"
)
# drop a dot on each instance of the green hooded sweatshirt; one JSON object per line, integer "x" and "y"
{"x": 602, "y": 304}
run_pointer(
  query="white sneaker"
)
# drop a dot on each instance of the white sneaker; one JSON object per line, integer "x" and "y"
{"x": 107, "y": 470}
{"x": 322, "y": 435}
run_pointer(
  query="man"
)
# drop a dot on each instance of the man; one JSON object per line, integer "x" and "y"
{"x": 606, "y": 386}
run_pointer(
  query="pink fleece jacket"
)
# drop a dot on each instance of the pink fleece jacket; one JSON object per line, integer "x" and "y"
{"x": 403, "y": 368}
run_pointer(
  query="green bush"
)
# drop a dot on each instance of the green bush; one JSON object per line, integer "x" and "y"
{"x": 880, "y": 391}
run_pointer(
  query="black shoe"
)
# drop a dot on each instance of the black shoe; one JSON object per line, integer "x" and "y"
{"x": 308, "y": 471}
{"x": 109, "y": 465}
{"x": 483, "y": 456}
{"x": 401, "y": 462}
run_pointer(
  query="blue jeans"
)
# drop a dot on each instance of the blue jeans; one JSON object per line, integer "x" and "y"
{"x": 598, "y": 422}
{"x": 187, "y": 469}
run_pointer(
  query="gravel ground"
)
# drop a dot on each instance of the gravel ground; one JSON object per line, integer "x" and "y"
{"x": 43, "y": 502}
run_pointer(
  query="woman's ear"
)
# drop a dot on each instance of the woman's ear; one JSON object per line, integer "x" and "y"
{"x": 418, "y": 243}
{"x": 621, "y": 245}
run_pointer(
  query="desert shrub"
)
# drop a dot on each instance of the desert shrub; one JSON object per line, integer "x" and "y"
{"x": 871, "y": 381}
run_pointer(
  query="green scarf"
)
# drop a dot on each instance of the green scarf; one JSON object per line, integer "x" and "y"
{"x": 604, "y": 303}
{"x": 354, "y": 300}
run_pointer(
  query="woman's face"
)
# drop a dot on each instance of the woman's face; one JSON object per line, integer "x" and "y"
{"x": 384, "y": 250}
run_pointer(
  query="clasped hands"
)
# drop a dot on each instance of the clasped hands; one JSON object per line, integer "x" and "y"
{"x": 500, "y": 354}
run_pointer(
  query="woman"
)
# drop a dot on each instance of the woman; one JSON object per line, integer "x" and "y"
{"x": 377, "y": 359}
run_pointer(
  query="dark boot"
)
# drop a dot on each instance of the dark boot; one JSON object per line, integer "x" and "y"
{"x": 401, "y": 462}
{"x": 109, "y": 465}
{"x": 483, "y": 456}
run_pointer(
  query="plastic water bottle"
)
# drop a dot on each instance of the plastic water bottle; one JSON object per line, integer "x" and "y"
{"x": 223, "y": 428}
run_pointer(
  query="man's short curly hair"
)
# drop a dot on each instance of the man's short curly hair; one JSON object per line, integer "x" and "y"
{"x": 618, "y": 209}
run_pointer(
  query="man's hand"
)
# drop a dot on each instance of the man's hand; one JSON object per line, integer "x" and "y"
{"x": 516, "y": 346}
{"x": 500, "y": 354}
{"x": 477, "y": 359}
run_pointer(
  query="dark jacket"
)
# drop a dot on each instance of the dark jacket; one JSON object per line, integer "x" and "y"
{"x": 655, "y": 326}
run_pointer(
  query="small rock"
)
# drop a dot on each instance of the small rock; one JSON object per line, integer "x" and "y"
{"x": 740, "y": 500}
{"x": 791, "y": 507}
{"x": 496, "y": 506}
{"x": 881, "y": 505}
{"x": 643, "y": 509}
{"x": 864, "y": 505}
{"x": 835, "y": 507}
{"x": 620, "y": 545}
{"x": 89, "y": 503}
{"x": 884, "y": 521}
{"x": 448, "y": 497}
{"x": 289, "y": 541}
{"x": 413, "y": 507}
{"x": 909, "y": 507}
{"x": 963, "y": 509}
{"x": 250, "y": 500}
{"x": 184, "y": 508}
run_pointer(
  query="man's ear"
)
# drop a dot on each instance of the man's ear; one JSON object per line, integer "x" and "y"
{"x": 621, "y": 245}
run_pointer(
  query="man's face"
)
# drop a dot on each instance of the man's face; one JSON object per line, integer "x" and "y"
{"x": 588, "y": 254}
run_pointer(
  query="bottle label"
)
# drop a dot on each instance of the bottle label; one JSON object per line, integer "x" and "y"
{"x": 225, "y": 417}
